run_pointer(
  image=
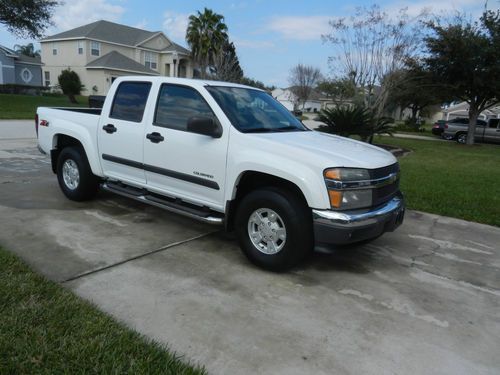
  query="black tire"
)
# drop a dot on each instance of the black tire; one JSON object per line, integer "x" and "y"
{"x": 296, "y": 218}
{"x": 462, "y": 138}
{"x": 88, "y": 183}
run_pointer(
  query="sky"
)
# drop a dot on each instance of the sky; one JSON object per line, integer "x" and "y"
{"x": 271, "y": 36}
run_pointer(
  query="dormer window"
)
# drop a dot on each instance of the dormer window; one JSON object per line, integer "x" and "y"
{"x": 150, "y": 60}
{"x": 95, "y": 48}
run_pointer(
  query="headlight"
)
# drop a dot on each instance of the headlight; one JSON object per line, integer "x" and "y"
{"x": 345, "y": 188}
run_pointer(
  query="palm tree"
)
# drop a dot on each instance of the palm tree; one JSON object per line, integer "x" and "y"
{"x": 206, "y": 33}
{"x": 28, "y": 50}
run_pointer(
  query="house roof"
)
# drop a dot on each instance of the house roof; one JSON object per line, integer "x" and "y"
{"x": 178, "y": 48}
{"x": 21, "y": 58}
{"x": 106, "y": 31}
{"x": 113, "y": 33}
{"x": 116, "y": 61}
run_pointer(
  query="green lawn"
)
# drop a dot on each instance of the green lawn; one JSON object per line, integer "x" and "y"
{"x": 24, "y": 106}
{"x": 45, "y": 329}
{"x": 450, "y": 179}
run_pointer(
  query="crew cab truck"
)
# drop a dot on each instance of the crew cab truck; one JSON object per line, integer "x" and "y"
{"x": 486, "y": 131}
{"x": 225, "y": 154}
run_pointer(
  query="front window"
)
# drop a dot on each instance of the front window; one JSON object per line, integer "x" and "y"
{"x": 80, "y": 47}
{"x": 54, "y": 49}
{"x": 95, "y": 48}
{"x": 254, "y": 111}
{"x": 150, "y": 60}
{"x": 177, "y": 105}
{"x": 47, "y": 78}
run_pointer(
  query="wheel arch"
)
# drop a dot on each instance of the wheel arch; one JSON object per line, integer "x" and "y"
{"x": 251, "y": 180}
{"x": 62, "y": 140}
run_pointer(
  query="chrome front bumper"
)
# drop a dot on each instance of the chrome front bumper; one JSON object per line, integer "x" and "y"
{"x": 344, "y": 227}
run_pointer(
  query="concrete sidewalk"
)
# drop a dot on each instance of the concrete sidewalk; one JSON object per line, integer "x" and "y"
{"x": 424, "y": 299}
{"x": 17, "y": 129}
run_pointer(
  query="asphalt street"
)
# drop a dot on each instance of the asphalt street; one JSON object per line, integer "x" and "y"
{"x": 424, "y": 299}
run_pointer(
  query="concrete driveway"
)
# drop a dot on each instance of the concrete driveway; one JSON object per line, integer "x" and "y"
{"x": 424, "y": 299}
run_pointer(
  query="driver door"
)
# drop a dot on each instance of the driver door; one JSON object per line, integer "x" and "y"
{"x": 179, "y": 162}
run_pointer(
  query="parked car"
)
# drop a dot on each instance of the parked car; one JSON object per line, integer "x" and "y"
{"x": 486, "y": 131}
{"x": 438, "y": 127}
{"x": 225, "y": 154}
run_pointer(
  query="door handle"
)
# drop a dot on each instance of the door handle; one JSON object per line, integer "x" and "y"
{"x": 110, "y": 128}
{"x": 155, "y": 137}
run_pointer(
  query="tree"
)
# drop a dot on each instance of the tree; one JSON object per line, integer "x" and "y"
{"x": 70, "y": 84}
{"x": 255, "y": 83}
{"x": 463, "y": 57}
{"x": 415, "y": 89}
{"x": 369, "y": 46}
{"x": 27, "y": 18}
{"x": 225, "y": 64}
{"x": 303, "y": 79}
{"x": 28, "y": 50}
{"x": 206, "y": 34}
{"x": 341, "y": 91}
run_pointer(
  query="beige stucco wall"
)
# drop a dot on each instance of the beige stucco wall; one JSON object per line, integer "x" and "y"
{"x": 68, "y": 57}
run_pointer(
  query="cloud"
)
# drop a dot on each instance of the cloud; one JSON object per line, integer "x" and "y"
{"x": 175, "y": 25}
{"x": 300, "y": 27}
{"x": 72, "y": 14}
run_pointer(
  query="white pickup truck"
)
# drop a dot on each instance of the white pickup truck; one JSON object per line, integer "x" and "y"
{"x": 225, "y": 154}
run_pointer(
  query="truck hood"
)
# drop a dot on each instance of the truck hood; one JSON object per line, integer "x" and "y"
{"x": 326, "y": 150}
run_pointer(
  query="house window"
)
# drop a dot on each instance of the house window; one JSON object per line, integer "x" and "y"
{"x": 54, "y": 49}
{"x": 150, "y": 60}
{"x": 95, "y": 48}
{"x": 47, "y": 78}
{"x": 80, "y": 47}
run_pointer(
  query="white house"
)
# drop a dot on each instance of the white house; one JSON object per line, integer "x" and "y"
{"x": 290, "y": 101}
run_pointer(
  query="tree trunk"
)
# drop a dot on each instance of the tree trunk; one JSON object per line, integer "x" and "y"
{"x": 413, "y": 120}
{"x": 72, "y": 99}
{"x": 471, "y": 131}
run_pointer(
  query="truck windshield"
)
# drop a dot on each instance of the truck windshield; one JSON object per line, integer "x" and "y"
{"x": 254, "y": 111}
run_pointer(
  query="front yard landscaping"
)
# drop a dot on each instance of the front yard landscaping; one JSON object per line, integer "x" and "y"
{"x": 46, "y": 329}
{"x": 24, "y": 106}
{"x": 450, "y": 179}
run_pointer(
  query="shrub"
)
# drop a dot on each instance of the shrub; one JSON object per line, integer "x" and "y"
{"x": 354, "y": 120}
{"x": 70, "y": 84}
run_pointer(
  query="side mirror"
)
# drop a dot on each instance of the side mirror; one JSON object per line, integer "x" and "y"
{"x": 205, "y": 126}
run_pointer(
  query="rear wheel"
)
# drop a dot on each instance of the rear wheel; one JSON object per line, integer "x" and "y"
{"x": 74, "y": 175}
{"x": 274, "y": 228}
{"x": 448, "y": 137}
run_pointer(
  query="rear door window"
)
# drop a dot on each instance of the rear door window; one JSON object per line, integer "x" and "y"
{"x": 130, "y": 101}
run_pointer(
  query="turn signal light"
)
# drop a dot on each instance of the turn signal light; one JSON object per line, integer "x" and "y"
{"x": 335, "y": 198}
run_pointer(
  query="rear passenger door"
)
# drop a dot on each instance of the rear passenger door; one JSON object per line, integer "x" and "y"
{"x": 121, "y": 133}
{"x": 181, "y": 163}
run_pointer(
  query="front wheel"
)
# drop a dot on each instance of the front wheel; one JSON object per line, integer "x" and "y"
{"x": 274, "y": 228}
{"x": 75, "y": 176}
{"x": 462, "y": 138}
